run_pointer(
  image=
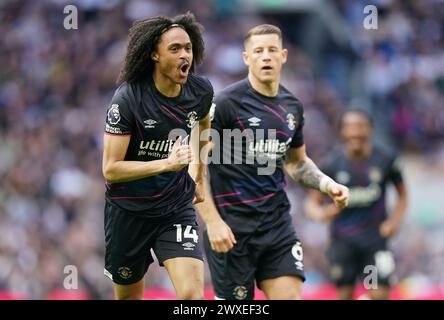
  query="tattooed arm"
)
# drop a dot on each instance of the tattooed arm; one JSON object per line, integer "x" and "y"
{"x": 304, "y": 171}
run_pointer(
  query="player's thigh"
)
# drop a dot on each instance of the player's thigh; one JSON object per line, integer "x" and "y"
{"x": 282, "y": 288}
{"x": 282, "y": 259}
{"x": 132, "y": 291}
{"x": 344, "y": 264}
{"x": 128, "y": 243}
{"x": 178, "y": 248}
{"x": 344, "y": 267}
{"x": 232, "y": 273}
{"x": 187, "y": 276}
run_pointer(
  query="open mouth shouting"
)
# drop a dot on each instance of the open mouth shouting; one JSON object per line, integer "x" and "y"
{"x": 184, "y": 68}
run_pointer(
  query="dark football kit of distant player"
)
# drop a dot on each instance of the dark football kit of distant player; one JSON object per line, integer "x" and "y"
{"x": 356, "y": 241}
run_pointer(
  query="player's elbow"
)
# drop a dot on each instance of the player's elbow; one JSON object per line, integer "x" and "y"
{"x": 108, "y": 172}
{"x": 293, "y": 171}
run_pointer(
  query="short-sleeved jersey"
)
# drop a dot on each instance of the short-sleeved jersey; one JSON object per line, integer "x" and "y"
{"x": 367, "y": 181}
{"x": 269, "y": 127}
{"x": 138, "y": 109}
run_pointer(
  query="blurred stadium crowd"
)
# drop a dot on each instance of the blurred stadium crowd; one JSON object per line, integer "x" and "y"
{"x": 55, "y": 85}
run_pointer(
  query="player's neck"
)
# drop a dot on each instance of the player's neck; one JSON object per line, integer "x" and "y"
{"x": 165, "y": 86}
{"x": 269, "y": 89}
{"x": 358, "y": 155}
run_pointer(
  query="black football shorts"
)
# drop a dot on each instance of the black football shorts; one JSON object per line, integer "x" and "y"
{"x": 257, "y": 256}
{"x": 130, "y": 238}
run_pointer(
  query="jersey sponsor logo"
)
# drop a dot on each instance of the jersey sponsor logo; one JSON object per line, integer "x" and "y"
{"x": 113, "y": 114}
{"x": 150, "y": 123}
{"x": 157, "y": 145}
{"x": 254, "y": 121}
{"x": 125, "y": 272}
{"x": 364, "y": 196}
{"x": 240, "y": 292}
{"x": 271, "y": 148}
{"x": 192, "y": 119}
{"x": 291, "y": 121}
{"x": 112, "y": 130}
{"x": 155, "y": 148}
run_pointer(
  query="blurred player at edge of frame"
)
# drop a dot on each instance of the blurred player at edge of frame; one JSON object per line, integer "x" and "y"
{"x": 360, "y": 232}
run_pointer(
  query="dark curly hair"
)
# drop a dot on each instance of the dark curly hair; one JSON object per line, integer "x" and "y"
{"x": 144, "y": 37}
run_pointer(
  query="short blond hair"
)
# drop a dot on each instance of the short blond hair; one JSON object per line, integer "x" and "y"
{"x": 263, "y": 29}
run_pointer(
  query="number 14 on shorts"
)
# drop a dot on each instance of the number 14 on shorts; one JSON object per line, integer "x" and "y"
{"x": 189, "y": 233}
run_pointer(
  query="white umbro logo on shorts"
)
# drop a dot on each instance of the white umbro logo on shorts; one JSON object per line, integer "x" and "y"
{"x": 254, "y": 121}
{"x": 299, "y": 265}
{"x": 188, "y": 246}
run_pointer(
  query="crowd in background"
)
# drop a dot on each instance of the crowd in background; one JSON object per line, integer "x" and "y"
{"x": 55, "y": 86}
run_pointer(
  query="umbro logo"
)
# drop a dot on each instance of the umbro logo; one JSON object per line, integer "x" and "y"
{"x": 188, "y": 246}
{"x": 150, "y": 123}
{"x": 254, "y": 121}
{"x": 299, "y": 265}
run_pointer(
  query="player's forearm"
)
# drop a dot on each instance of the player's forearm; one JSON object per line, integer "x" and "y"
{"x": 306, "y": 173}
{"x": 201, "y": 172}
{"x": 204, "y": 143}
{"x": 122, "y": 171}
{"x": 400, "y": 210}
{"x": 207, "y": 209}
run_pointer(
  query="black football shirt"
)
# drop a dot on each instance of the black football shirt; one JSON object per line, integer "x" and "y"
{"x": 139, "y": 110}
{"x": 367, "y": 181}
{"x": 245, "y": 196}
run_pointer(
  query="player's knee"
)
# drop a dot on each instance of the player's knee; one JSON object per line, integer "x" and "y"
{"x": 191, "y": 290}
{"x": 288, "y": 296}
{"x": 129, "y": 292}
{"x": 190, "y": 293}
{"x": 296, "y": 295}
{"x": 379, "y": 294}
{"x": 284, "y": 293}
{"x": 128, "y": 295}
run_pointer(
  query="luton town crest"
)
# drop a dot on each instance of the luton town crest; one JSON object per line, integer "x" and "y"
{"x": 291, "y": 121}
{"x": 192, "y": 118}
